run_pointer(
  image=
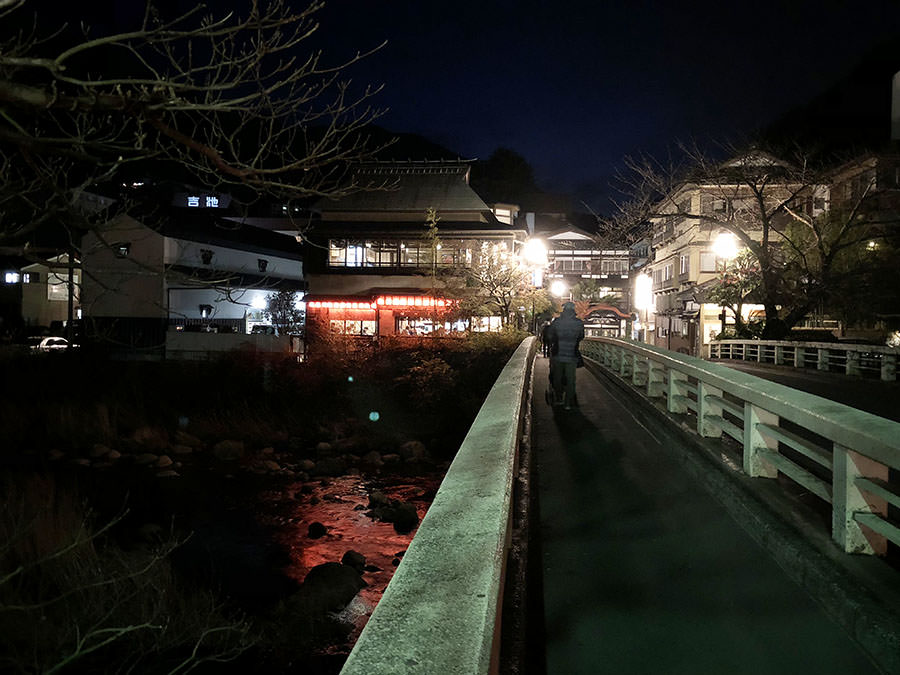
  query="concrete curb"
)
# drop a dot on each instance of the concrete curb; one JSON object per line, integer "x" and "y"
{"x": 859, "y": 593}
{"x": 441, "y": 611}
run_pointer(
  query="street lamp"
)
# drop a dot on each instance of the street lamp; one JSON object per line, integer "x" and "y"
{"x": 559, "y": 288}
{"x": 643, "y": 298}
{"x": 534, "y": 253}
{"x": 725, "y": 247}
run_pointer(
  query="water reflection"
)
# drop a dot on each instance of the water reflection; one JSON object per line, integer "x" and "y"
{"x": 340, "y": 504}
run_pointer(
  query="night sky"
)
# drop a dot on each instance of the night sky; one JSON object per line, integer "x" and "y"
{"x": 574, "y": 85}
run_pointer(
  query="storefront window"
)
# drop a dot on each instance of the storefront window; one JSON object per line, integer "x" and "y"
{"x": 352, "y": 327}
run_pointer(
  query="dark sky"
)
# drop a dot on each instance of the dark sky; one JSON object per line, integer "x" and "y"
{"x": 574, "y": 86}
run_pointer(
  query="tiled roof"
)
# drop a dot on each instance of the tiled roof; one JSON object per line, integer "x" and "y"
{"x": 414, "y": 186}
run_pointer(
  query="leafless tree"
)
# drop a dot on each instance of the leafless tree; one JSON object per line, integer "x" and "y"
{"x": 501, "y": 279}
{"x": 795, "y": 218}
{"x": 238, "y": 101}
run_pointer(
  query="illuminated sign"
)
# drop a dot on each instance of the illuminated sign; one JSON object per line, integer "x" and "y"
{"x": 201, "y": 200}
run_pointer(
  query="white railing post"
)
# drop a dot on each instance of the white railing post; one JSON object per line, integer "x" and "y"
{"x": 676, "y": 388}
{"x": 754, "y": 441}
{"x": 779, "y": 355}
{"x": 851, "y": 366}
{"x": 638, "y": 375}
{"x": 799, "y": 356}
{"x": 848, "y": 499}
{"x": 707, "y": 409}
{"x": 655, "y": 379}
{"x": 889, "y": 367}
{"x": 822, "y": 363}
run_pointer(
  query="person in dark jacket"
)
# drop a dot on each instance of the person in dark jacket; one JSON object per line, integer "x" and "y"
{"x": 545, "y": 339}
{"x": 565, "y": 333}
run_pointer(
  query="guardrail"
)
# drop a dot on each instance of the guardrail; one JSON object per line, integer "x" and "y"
{"x": 852, "y": 359}
{"x": 840, "y": 454}
{"x": 441, "y": 611}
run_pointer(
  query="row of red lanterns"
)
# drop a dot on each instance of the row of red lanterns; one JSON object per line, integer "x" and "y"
{"x": 381, "y": 300}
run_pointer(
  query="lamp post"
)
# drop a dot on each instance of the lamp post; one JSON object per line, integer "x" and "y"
{"x": 643, "y": 299}
{"x": 534, "y": 253}
{"x": 725, "y": 247}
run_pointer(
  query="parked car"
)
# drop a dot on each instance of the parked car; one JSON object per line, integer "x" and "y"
{"x": 48, "y": 344}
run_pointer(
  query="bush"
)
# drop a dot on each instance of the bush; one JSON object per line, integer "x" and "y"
{"x": 69, "y": 597}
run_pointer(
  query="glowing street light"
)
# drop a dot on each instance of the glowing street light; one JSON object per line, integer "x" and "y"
{"x": 725, "y": 246}
{"x": 559, "y": 288}
{"x": 534, "y": 252}
{"x": 643, "y": 291}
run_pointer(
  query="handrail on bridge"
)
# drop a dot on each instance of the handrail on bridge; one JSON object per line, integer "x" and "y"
{"x": 441, "y": 611}
{"x": 851, "y": 359}
{"x": 838, "y": 453}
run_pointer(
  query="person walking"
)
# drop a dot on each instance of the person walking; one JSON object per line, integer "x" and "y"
{"x": 565, "y": 334}
{"x": 545, "y": 339}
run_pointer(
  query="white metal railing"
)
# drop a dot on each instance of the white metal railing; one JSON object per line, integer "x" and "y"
{"x": 851, "y": 359}
{"x": 838, "y": 453}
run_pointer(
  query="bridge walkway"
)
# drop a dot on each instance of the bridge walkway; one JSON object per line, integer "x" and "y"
{"x": 643, "y": 571}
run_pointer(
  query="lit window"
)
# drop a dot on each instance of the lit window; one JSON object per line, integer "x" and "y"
{"x": 356, "y": 255}
{"x": 33, "y": 278}
{"x": 205, "y": 311}
{"x": 58, "y": 287}
{"x": 122, "y": 249}
{"x": 11, "y": 277}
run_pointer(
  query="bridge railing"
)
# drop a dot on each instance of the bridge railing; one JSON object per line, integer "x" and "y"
{"x": 840, "y": 454}
{"x": 851, "y": 359}
{"x": 441, "y": 611}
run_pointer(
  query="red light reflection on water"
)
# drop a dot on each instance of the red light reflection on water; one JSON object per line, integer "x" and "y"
{"x": 341, "y": 505}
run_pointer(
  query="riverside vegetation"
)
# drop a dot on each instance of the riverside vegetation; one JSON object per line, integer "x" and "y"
{"x": 152, "y": 511}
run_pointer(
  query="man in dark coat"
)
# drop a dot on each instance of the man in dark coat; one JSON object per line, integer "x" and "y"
{"x": 545, "y": 339}
{"x": 565, "y": 333}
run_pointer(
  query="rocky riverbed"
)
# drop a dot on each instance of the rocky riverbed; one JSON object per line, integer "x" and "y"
{"x": 282, "y": 529}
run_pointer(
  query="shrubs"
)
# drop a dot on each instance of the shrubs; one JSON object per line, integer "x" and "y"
{"x": 70, "y": 597}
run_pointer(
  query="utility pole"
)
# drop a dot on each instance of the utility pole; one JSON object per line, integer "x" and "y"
{"x": 70, "y": 324}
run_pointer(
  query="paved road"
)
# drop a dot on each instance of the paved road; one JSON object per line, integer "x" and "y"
{"x": 644, "y": 572}
{"x": 874, "y": 396}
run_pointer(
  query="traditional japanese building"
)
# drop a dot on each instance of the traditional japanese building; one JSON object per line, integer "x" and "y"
{"x": 371, "y": 265}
